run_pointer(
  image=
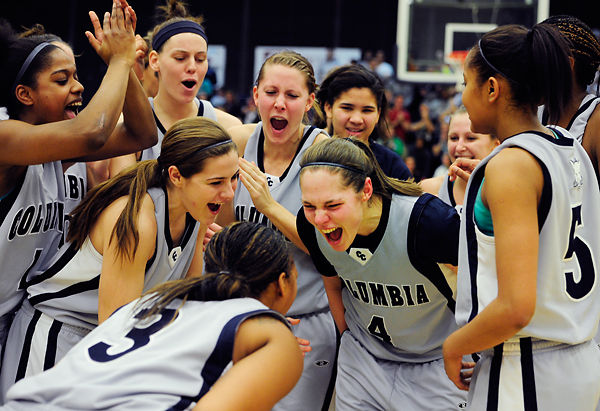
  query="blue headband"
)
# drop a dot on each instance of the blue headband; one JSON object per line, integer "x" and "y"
{"x": 181, "y": 26}
{"x": 28, "y": 61}
{"x": 490, "y": 64}
{"x": 326, "y": 163}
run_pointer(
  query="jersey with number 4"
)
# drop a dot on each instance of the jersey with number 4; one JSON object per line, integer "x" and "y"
{"x": 168, "y": 361}
{"x": 398, "y": 302}
{"x": 568, "y": 297}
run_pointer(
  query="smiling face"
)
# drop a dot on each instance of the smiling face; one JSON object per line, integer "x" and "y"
{"x": 463, "y": 143}
{"x": 57, "y": 93}
{"x": 336, "y": 212}
{"x": 181, "y": 66}
{"x": 204, "y": 193}
{"x": 354, "y": 113}
{"x": 282, "y": 99}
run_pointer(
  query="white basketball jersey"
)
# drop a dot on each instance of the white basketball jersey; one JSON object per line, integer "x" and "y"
{"x": 579, "y": 121}
{"x": 32, "y": 224}
{"x": 398, "y": 305}
{"x": 568, "y": 295}
{"x": 168, "y": 361}
{"x": 205, "y": 109}
{"x": 67, "y": 290}
{"x": 285, "y": 189}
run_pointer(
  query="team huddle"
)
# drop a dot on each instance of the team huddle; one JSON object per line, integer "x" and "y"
{"x": 160, "y": 254}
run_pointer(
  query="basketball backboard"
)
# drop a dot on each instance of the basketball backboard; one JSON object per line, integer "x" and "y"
{"x": 430, "y": 32}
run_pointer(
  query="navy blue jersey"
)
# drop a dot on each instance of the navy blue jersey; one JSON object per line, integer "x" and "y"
{"x": 390, "y": 162}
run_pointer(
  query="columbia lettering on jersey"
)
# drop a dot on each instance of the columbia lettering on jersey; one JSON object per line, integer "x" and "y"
{"x": 39, "y": 218}
{"x": 387, "y": 295}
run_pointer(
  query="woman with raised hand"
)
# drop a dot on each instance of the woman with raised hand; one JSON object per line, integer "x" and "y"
{"x": 377, "y": 242}
{"x": 243, "y": 355}
{"x": 130, "y": 233}
{"x": 527, "y": 296}
{"x": 45, "y": 135}
{"x": 270, "y": 194}
{"x": 353, "y": 99}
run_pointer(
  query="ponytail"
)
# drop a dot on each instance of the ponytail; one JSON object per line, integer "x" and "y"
{"x": 534, "y": 62}
{"x": 354, "y": 161}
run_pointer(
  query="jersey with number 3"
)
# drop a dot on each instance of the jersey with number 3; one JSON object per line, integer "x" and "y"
{"x": 568, "y": 297}
{"x": 168, "y": 361}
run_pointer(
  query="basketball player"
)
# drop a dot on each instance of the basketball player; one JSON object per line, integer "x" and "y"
{"x": 269, "y": 171}
{"x": 179, "y": 56}
{"x": 353, "y": 99}
{"x": 130, "y": 233}
{"x": 581, "y": 116}
{"x": 377, "y": 242}
{"x": 527, "y": 295}
{"x": 43, "y": 96}
{"x": 145, "y": 357}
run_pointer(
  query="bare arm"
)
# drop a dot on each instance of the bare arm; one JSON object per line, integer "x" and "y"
{"x": 24, "y": 144}
{"x": 333, "y": 288}
{"x": 267, "y": 363}
{"x": 197, "y": 263}
{"x": 227, "y": 120}
{"x": 137, "y": 130}
{"x": 432, "y": 185}
{"x": 591, "y": 140}
{"x": 120, "y": 163}
{"x": 512, "y": 188}
{"x": 122, "y": 278}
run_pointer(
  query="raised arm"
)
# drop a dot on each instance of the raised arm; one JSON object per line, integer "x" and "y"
{"x": 267, "y": 363}
{"x": 137, "y": 128}
{"x": 227, "y": 120}
{"x": 256, "y": 183}
{"x": 24, "y": 143}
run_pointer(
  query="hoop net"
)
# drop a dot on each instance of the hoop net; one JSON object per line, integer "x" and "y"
{"x": 456, "y": 61}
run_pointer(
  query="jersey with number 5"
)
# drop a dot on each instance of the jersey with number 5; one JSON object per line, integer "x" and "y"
{"x": 568, "y": 297}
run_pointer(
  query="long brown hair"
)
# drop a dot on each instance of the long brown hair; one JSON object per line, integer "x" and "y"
{"x": 361, "y": 163}
{"x": 241, "y": 260}
{"x": 184, "y": 146}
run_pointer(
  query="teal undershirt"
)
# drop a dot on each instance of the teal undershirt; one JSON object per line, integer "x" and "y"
{"x": 483, "y": 217}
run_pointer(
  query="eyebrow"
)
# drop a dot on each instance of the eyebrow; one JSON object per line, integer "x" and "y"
{"x": 188, "y": 52}
{"x": 224, "y": 178}
{"x": 65, "y": 71}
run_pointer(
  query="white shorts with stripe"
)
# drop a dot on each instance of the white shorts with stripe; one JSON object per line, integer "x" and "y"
{"x": 35, "y": 343}
{"x": 528, "y": 375}
{"x": 368, "y": 383}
